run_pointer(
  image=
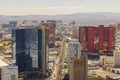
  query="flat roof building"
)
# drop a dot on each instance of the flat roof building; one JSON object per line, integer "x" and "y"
{"x": 117, "y": 48}
{"x": 78, "y": 68}
{"x": 97, "y": 39}
{"x": 30, "y": 49}
{"x": 9, "y": 72}
{"x": 73, "y": 49}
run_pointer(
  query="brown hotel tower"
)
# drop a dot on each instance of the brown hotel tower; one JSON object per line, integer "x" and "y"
{"x": 51, "y": 28}
{"x": 78, "y": 68}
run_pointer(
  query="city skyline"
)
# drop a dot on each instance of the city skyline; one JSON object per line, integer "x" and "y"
{"x": 55, "y": 7}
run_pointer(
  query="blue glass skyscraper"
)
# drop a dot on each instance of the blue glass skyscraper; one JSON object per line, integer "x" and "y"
{"x": 30, "y": 49}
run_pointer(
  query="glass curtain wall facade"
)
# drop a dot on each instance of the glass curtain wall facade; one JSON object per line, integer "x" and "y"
{"x": 28, "y": 49}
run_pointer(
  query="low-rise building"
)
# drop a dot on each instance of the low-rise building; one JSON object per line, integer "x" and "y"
{"x": 9, "y": 72}
{"x": 108, "y": 61}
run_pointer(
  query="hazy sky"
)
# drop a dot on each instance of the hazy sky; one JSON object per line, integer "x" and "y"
{"x": 52, "y": 7}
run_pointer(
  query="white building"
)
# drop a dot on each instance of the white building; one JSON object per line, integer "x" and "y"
{"x": 74, "y": 49}
{"x": 117, "y": 50}
{"x": 117, "y": 58}
{"x": 9, "y": 72}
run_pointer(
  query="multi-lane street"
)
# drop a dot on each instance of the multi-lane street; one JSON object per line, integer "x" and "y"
{"x": 58, "y": 65}
{"x": 59, "y": 68}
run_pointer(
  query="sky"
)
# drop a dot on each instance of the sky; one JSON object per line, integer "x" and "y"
{"x": 55, "y": 7}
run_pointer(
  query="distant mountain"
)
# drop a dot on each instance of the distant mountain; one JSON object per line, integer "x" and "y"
{"x": 83, "y": 18}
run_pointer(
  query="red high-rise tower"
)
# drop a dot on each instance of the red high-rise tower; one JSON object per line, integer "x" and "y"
{"x": 79, "y": 33}
{"x": 90, "y": 39}
{"x": 101, "y": 36}
{"x": 110, "y": 37}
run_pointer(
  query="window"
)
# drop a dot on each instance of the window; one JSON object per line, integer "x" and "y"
{"x": 13, "y": 77}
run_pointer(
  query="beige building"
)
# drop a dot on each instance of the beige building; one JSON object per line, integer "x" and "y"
{"x": 9, "y": 72}
{"x": 78, "y": 68}
{"x": 108, "y": 61}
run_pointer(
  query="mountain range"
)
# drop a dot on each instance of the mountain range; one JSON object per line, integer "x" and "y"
{"x": 93, "y": 18}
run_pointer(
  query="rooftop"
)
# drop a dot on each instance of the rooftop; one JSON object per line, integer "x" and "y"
{"x": 2, "y": 63}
